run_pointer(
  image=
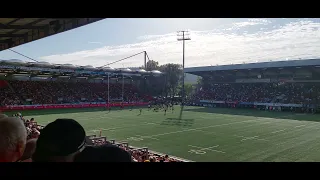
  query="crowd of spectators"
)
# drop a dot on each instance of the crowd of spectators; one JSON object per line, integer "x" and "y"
{"x": 54, "y": 92}
{"x": 287, "y": 93}
{"x": 8, "y": 97}
{"x": 32, "y": 127}
{"x": 25, "y": 141}
{"x": 138, "y": 154}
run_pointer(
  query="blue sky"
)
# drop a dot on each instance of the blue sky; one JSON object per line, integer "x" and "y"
{"x": 214, "y": 41}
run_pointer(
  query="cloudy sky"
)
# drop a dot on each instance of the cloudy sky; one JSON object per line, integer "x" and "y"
{"x": 213, "y": 41}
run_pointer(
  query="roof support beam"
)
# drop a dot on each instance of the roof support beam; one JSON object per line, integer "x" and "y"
{"x": 4, "y": 26}
{"x": 11, "y": 35}
{"x": 14, "y": 21}
{"x": 29, "y": 24}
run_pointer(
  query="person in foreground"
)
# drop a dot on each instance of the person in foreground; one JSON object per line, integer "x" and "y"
{"x": 103, "y": 153}
{"x": 60, "y": 141}
{"x": 29, "y": 150}
{"x": 13, "y": 137}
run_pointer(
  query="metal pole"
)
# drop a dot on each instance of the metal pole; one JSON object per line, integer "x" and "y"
{"x": 184, "y": 37}
{"x": 122, "y": 87}
{"x": 145, "y": 60}
{"x": 183, "y": 96}
{"x": 108, "y": 91}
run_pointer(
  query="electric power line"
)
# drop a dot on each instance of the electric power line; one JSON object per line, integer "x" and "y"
{"x": 23, "y": 55}
{"x": 122, "y": 59}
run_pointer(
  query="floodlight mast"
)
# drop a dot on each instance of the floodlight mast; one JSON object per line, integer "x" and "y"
{"x": 108, "y": 90}
{"x": 183, "y": 36}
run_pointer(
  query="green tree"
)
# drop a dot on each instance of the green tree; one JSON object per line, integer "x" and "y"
{"x": 199, "y": 81}
{"x": 152, "y": 65}
{"x": 173, "y": 74}
{"x": 188, "y": 89}
{"x": 171, "y": 78}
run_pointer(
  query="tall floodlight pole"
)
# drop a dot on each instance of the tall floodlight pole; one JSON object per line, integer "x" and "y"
{"x": 108, "y": 90}
{"x": 145, "y": 59}
{"x": 122, "y": 87}
{"x": 183, "y": 36}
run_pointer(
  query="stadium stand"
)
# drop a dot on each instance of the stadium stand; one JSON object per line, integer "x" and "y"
{"x": 49, "y": 92}
{"x": 25, "y": 91}
{"x": 284, "y": 85}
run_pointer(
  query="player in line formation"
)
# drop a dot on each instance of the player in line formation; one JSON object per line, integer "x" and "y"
{"x": 162, "y": 106}
{"x": 156, "y": 108}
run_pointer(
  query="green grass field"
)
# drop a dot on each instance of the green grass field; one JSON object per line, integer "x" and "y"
{"x": 204, "y": 134}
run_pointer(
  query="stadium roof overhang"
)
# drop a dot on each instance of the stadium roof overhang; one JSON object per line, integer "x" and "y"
{"x": 264, "y": 66}
{"x": 18, "y": 31}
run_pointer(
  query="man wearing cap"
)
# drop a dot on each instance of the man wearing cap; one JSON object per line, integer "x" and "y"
{"x": 13, "y": 137}
{"x": 60, "y": 141}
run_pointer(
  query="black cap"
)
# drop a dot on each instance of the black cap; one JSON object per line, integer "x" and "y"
{"x": 103, "y": 153}
{"x": 60, "y": 138}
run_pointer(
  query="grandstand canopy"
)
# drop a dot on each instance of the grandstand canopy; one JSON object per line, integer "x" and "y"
{"x": 18, "y": 31}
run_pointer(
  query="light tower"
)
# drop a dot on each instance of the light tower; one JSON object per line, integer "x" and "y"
{"x": 183, "y": 36}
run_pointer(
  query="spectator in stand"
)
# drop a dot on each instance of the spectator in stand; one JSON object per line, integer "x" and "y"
{"x": 60, "y": 141}
{"x": 13, "y": 137}
{"x": 287, "y": 93}
{"x": 54, "y": 92}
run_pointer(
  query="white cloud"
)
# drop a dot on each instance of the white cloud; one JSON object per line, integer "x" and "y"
{"x": 294, "y": 40}
{"x": 252, "y": 22}
{"x": 95, "y": 42}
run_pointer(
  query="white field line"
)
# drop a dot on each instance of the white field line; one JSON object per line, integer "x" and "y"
{"x": 208, "y": 148}
{"x": 249, "y": 138}
{"x": 220, "y": 133}
{"x": 293, "y": 130}
{"x": 206, "y": 132}
{"x": 300, "y": 126}
{"x": 115, "y": 128}
{"x": 139, "y": 137}
{"x": 278, "y": 131}
{"x": 244, "y": 138}
{"x": 194, "y": 129}
{"x": 197, "y": 129}
{"x": 201, "y": 148}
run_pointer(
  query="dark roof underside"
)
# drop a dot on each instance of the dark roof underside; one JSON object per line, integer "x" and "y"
{"x": 18, "y": 31}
